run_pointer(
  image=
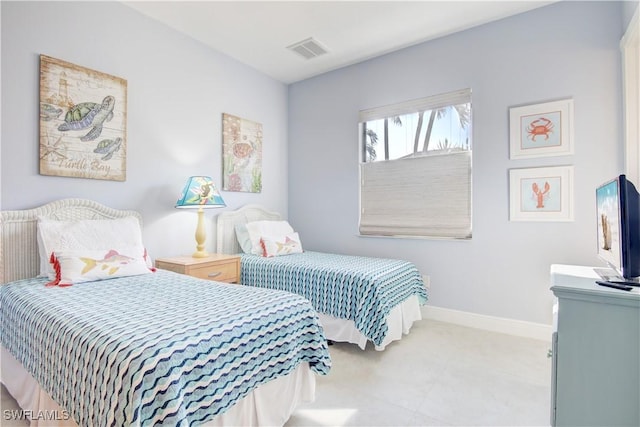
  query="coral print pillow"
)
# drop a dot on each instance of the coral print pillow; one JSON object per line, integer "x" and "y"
{"x": 86, "y": 266}
{"x": 285, "y": 245}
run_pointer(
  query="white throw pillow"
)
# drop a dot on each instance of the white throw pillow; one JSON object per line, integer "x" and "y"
{"x": 259, "y": 229}
{"x": 244, "y": 240}
{"x": 90, "y": 234}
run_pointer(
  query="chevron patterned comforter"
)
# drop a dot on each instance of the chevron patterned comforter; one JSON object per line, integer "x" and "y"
{"x": 361, "y": 289}
{"x": 157, "y": 348}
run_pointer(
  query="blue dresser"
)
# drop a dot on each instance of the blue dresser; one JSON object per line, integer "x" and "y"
{"x": 596, "y": 351}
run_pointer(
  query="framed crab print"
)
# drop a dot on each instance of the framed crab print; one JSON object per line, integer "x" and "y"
{"x": 541, "y": 194}
{"x": 241, "y": 154}
{"x": 83, "y": 122}
{"x": 541, "y": 130}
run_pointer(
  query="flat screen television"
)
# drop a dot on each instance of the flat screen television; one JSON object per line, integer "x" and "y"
{"x": 618, "y": 210}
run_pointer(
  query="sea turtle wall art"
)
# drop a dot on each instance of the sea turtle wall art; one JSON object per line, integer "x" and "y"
{"x": 83, "y": 122}
{"x": 242, "y": 154}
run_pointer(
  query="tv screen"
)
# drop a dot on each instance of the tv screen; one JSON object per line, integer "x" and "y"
{"x": 618, "y": 218}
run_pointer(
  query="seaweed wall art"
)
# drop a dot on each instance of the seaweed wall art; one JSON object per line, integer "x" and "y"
{"x": 83, "y": 117}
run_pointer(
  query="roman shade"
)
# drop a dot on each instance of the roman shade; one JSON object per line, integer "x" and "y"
{"x": 427, "y": 196}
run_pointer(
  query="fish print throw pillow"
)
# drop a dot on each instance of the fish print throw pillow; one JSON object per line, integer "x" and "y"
{"x": 86, "y": 266}
{"x": 285, "y": 245}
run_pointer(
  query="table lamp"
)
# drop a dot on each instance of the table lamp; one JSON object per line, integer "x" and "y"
{"x": 201, "y": 193}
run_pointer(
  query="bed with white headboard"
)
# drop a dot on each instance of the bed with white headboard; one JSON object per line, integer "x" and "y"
{"x": 150, "y": 347}
{"x": 358, "y": 299}
{"x": 19, "y": 257}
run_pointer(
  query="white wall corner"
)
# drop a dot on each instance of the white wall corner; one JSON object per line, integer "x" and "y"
{"x": 519, "y": 328}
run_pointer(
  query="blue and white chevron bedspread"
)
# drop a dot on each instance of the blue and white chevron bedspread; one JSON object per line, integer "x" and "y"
{"x": 160, "y": 348}
{"x": 362, "y": 289}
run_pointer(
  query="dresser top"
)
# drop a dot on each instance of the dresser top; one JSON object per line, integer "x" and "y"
{"x": 579, "y": 282}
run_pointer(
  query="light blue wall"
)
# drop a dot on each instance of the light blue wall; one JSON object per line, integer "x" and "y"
{"x": 177, "y": 91}
{"x": 569, "y": 49}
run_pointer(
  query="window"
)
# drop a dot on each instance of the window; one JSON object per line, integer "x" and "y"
{"x": 415, "y": 169}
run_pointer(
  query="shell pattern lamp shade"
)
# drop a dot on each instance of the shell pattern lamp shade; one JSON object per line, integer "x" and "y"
{"x": 200, "y": 193}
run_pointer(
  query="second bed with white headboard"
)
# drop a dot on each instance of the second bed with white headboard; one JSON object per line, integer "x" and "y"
{"x": 358, "y": 299}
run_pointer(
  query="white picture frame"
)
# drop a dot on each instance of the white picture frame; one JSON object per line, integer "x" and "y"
{"x": 541, "y": 194}
{"x": 541, "y": 130}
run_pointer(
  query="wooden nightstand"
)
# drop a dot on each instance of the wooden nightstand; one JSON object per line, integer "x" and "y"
{"x": 218, "y": 267}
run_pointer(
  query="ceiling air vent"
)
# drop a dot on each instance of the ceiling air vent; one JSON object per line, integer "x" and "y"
{"x": 308, "y": 48}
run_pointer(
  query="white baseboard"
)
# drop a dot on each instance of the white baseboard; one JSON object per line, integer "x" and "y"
{"x": 519, "y": 328}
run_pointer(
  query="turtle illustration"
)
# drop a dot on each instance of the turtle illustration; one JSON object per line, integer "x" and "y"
{"x": 49, "y": 112}
{"x": 242, "y": 149}
{"x": 108, "y": 147}
{"x": 89, "y": 114}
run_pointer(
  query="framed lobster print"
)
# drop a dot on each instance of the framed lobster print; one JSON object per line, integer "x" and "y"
{"x": 541, "y": 130}
{"x": 541, "y": 194}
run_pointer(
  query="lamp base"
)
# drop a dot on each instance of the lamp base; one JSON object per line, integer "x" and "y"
{"x": 200, "y": 237}
{"x": 200, "y": 254}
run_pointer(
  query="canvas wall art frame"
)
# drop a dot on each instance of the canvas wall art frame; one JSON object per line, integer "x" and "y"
{"x": 541, "y": 130}
{"x": 241, "y": 154}
{"x": 541, "y": 194}
{"x": 83, "y": 122}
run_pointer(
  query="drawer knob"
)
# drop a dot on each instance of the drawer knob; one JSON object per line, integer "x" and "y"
{"x": 215, "y": 274}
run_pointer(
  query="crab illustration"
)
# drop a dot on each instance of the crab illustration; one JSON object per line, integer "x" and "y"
{"x": 539, "y": 127}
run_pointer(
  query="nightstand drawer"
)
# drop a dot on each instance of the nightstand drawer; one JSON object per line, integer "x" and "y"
{"x": 218, "y": 267}
{"x": 227, "y": 272}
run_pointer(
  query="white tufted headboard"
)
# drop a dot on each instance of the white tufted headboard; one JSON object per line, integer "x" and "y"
{"x": 227, "y": 221}
{"x": 19, "y": 257}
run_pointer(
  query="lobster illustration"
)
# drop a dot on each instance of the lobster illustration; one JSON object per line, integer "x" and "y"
{"x": 541, "y": 195}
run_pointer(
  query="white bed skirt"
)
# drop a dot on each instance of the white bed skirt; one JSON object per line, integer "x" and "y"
{"x": 270, "y": 404}
{"x": 399, "y": 322}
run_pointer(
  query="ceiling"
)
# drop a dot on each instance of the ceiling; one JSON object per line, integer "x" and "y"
{"x": 257, "y": 33}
